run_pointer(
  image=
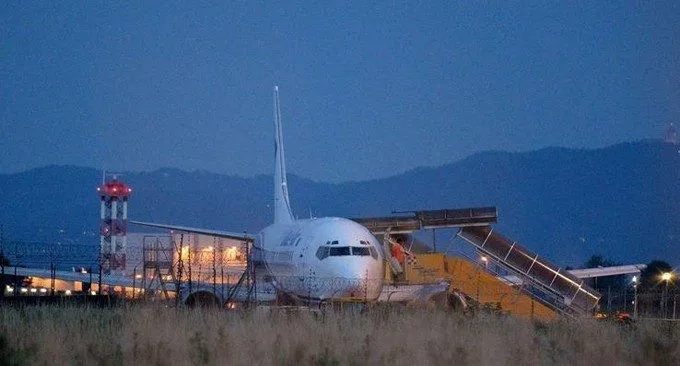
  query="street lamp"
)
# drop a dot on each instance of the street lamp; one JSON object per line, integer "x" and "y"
{"x": 666, "y": 276}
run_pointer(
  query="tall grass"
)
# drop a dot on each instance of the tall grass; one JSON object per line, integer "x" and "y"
{"x": 167, "y": 336}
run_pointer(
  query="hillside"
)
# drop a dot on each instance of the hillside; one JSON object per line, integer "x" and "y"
{"x": 567, "y": 204}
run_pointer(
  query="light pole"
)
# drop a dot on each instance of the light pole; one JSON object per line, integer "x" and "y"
{"x": 635, "y": 297}
{"x": 665, "y": 277}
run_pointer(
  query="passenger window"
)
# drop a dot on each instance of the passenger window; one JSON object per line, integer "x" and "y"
{"x": 322, "y": 253}
{"x": 339, "y": 251}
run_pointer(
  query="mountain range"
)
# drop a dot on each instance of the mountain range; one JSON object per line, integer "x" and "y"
{"x": 620, "y": 201}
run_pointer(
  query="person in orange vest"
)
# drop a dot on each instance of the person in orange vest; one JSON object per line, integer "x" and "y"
{"x": 398, "y": 253}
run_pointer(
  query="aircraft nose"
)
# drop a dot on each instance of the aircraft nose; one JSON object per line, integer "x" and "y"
{"x": 363, "y": 281}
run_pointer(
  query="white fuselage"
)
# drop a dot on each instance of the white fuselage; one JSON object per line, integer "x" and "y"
{"x": 324, "y": 258}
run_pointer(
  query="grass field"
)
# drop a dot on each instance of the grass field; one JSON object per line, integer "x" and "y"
{"x": 53, "y": 335}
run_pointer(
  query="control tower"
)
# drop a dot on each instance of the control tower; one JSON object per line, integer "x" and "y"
{"x": 114, "y": 196}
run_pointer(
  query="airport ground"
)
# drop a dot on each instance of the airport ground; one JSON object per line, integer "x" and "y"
{"x": 154, "y": 334}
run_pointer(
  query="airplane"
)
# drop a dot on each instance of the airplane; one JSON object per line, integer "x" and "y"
{"x": 314, "y": 259}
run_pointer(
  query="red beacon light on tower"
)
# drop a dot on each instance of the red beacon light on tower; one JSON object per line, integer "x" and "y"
{"x": 114, "y": 188}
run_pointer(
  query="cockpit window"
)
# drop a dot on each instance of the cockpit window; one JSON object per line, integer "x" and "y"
{"x": 374, "y": 252}
{"x": 339, "y": 251}
{"x": 364, "y": 242}
{"x": 362, "y": 251}
{"x": 322, "y": 252}
{"x": 334, "y": 242}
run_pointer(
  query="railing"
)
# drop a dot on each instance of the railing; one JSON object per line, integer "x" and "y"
{"x": 572, "y": 292}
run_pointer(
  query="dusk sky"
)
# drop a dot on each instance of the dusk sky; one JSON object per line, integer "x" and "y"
{"x": 367, "y": 91}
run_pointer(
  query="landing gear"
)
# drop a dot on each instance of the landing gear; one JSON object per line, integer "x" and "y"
{"x": 202, "y": 299}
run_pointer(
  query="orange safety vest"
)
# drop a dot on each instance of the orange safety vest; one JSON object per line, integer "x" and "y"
{"x": 398, "y": 253}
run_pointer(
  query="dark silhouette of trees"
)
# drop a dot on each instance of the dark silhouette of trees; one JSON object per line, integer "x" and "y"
{"x": 609, "y": 283}
{"x": 4, "y": 261}
{"x": 596, "y": 261}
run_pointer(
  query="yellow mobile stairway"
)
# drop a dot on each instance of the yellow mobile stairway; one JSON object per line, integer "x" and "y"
{"x": 485, "y": 289}
{"x": 540, "y": 289}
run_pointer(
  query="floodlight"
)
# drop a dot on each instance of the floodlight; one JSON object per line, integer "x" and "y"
{"x": 667, "y": 276}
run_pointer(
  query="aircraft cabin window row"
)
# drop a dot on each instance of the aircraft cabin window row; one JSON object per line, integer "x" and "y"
{"x": 324, "y": 252}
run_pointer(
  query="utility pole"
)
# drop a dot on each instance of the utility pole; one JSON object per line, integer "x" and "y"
{"x": 434, "y": 240}
{"x": 635, "y": 297}
{"x": 53, "y": 272}
{"x": 664, "y": 295}
{"x": 214, "y": 265}
{"x": 2, "y": 261}
{"x": 99, "y": 285}
{"x": 189, "y": 259}
{"x": 248, "y": 269}
{"x": 134, "y": 281}
{"x": 19, "y": 255}
{"x": 180, "y": 269}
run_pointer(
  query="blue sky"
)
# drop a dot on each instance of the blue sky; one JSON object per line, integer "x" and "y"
{"x": 367, "y": 90}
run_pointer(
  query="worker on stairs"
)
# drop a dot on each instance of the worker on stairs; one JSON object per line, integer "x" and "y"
{"x": 397, "y": 252}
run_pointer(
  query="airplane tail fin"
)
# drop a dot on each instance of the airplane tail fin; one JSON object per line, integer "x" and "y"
{"x": 282, "y": 211}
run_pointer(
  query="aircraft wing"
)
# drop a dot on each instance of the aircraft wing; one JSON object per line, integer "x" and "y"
{"x": 210, "y": 232}
{"x": 608, "y": 271}
{"x": 583, "y": 273}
